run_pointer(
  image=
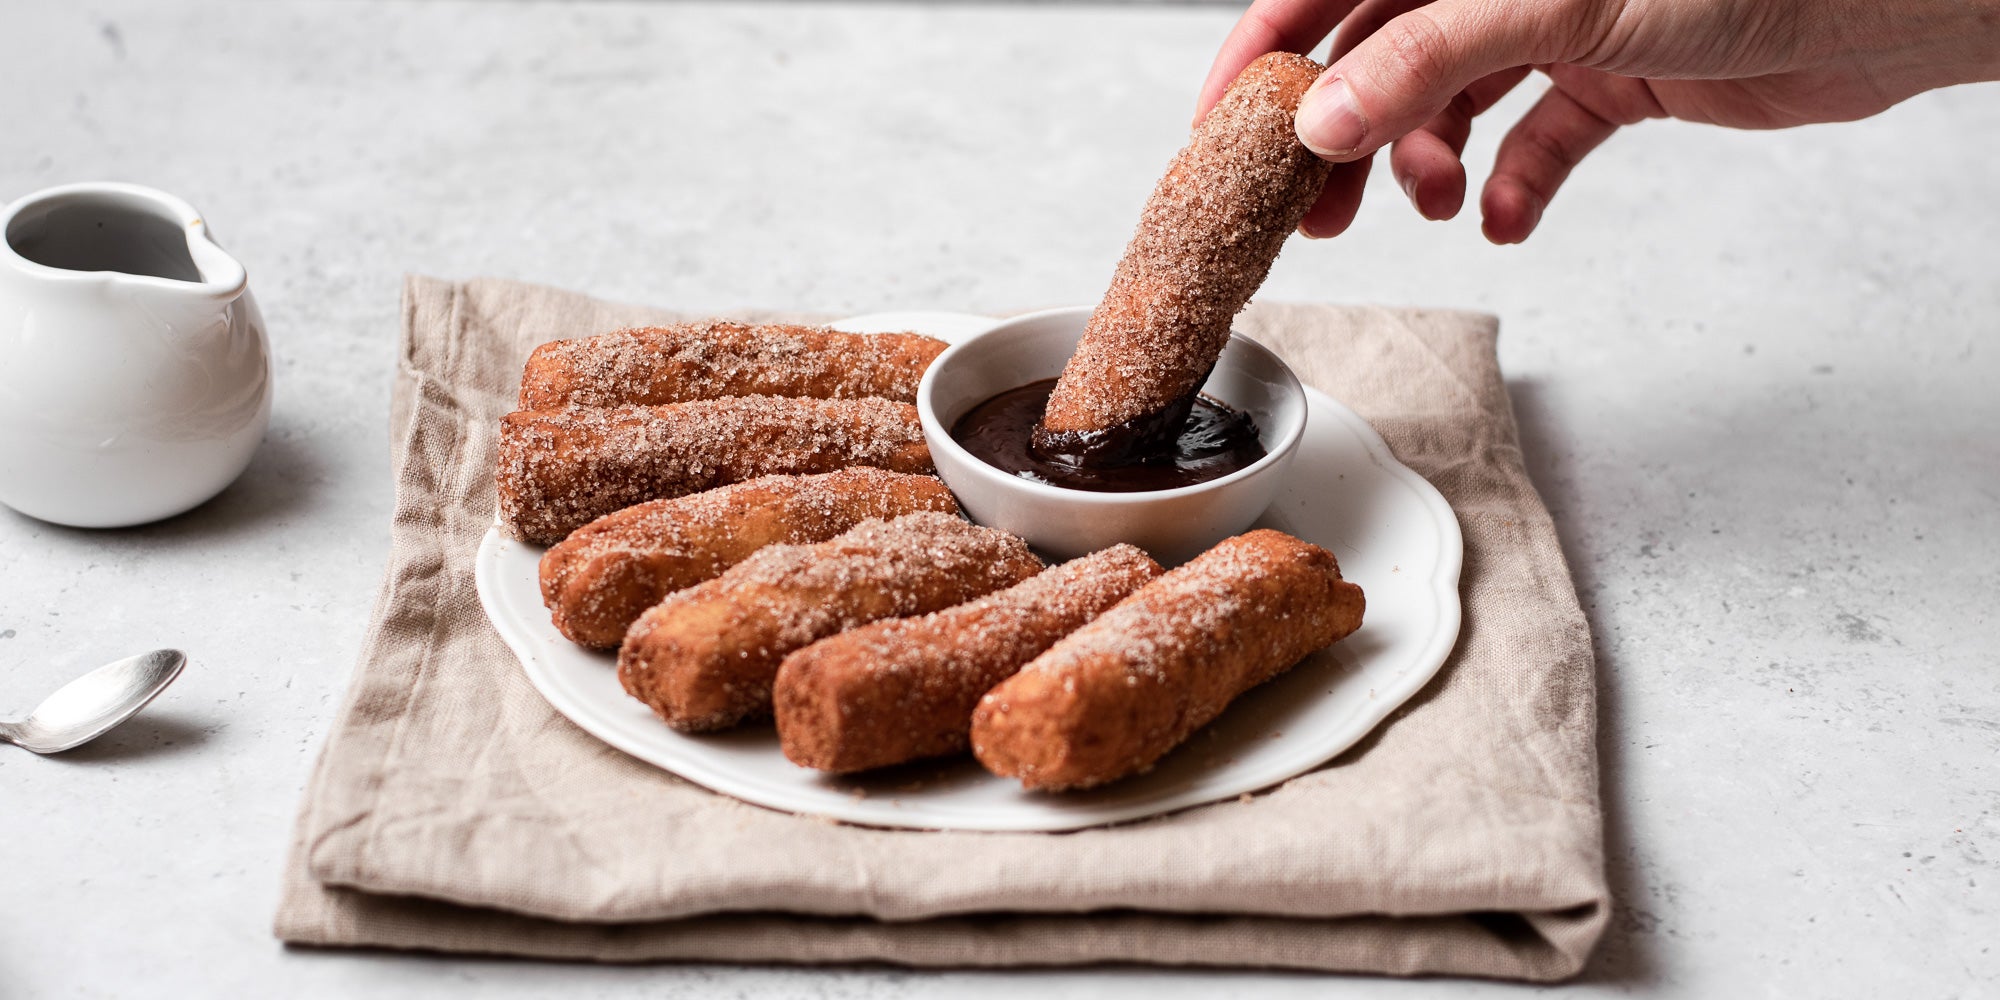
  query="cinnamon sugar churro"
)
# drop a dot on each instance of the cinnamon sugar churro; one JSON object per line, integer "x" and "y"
{"x": 716, "y": 359}
{"x": 561, "y": 469}
{"x": 1205, "y": 242}
{"x": 1116, "y": 695}
{"x": 605, "y": 574}
{"x": 905, "y": 688}
{"x": 704, "y": 658}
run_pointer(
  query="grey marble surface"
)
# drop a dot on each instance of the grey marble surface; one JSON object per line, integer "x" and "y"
{"x": 1756, "y": 375}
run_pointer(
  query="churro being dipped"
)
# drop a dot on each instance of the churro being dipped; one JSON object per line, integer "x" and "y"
{"x": 561, "y": 469}
{"x": 1205, "y": 242}
{"x": 903, "y": 689}
{"x": 716, "y": 359}
{"x": 605, "y": 574}
{"x": 1112, "y": 698}
{"x": 704, "y": 658}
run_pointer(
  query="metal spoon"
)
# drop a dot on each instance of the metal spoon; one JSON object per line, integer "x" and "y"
{"x": 89, "y": 706}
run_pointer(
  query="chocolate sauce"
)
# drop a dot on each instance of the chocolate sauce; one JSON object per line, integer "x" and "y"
{"x": 1215, "y": 442}
{"x": 1147, "y": 435}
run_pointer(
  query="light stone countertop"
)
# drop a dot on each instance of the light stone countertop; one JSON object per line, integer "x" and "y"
{"x": 1757, "y": 375}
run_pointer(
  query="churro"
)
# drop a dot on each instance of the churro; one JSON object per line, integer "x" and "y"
{"x": 903, "y": 689}
{"x": 716, "y": 359}
{"x": 605, "y": 574}
{"x": 704, "y": 658}
{"x": 561, "y": 469}
{"x": 1204, "y": 244}
{"x": 1112, "y": 698}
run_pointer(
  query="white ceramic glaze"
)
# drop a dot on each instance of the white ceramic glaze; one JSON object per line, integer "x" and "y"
{"x": 1392, "y": 531}
{"x": 1174, "y": 525}
{"x": 134, "y": 372}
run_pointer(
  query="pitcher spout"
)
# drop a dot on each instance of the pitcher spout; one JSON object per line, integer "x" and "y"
{"x": 222, "y": 276}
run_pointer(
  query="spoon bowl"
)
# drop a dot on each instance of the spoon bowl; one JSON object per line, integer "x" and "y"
{"x": 91, "y": 705}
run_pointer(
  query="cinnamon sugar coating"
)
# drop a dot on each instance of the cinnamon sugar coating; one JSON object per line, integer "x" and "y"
{"x": 704, "y": 658}
{"x": 605, "y": 574}
{"x": 561, "y": 469}
{"x": 1112, "y": 698}
{"x": 1205, "y": 242}
{"x": 903, "y": 689}
{"x": 716, "y": 359}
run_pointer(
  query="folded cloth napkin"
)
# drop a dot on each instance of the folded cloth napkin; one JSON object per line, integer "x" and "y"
{"x": 452, "y": 809}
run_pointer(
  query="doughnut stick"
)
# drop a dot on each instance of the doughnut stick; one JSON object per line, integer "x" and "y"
{"x": 561, "y": 469}
{"x": 716, "y": 359}
{"x": 903, "y": 689}
{"x": 1205, "y": 242}
{"x": 597, "y": 581}
{"x": 704, "y": 658}
{"x": 1117, "y": 694}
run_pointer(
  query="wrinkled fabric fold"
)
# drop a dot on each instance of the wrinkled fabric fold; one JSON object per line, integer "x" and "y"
{"x": 453, "y": 810}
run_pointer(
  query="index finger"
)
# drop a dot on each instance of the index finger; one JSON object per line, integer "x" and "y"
{"x": 1269, "y": 26}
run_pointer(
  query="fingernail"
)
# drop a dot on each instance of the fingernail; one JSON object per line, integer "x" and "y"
{"x": 1409, "y": 184}
{"x": 1309, "y": 233}
{"x": 1329, "y": 122}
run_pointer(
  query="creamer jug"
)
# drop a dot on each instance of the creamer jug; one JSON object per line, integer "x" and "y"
{"x": 135, "y": 377}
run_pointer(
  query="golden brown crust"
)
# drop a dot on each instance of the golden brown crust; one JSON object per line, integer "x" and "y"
{"x": 1206, "y": 241}
{"x": 597, "y": 581}
{"x": 717, "y": 359}
{"x": 903, "y": 689}
{"x": 1117, "y": 694}
{"x": 704, "y": 658}
{"x": 562, "y": 469}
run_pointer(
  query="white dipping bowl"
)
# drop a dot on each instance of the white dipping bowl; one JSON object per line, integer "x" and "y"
{"x": 1173, "y": 525}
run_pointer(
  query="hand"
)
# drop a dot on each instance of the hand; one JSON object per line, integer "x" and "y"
{"x": 1416, "y": 73}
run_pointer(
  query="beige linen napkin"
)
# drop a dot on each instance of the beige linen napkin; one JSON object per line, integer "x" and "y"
{"x": 453, "y": 809}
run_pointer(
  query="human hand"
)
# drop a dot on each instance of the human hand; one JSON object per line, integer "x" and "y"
{"x": 1416, "y": 73}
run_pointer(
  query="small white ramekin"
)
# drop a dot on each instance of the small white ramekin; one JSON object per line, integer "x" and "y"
{"x": 1173, "y": 525}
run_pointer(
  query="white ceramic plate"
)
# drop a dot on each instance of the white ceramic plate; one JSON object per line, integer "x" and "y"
{"x": 1392, "y": 531}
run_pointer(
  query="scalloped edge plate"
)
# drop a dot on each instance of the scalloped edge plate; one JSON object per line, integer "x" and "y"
{"x": 1391, "y": 530}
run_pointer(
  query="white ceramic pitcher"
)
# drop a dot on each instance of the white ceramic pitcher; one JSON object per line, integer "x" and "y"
{"x": 135, "y": 378}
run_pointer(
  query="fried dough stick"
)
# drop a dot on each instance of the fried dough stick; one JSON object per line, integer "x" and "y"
{"x": 905, "y": 688}
{"x": 1117, "y": 694}
{"x": 715, "y": 359}
{"x": 704, "y": 658}
{"x": 1205, "y": 242}
{"x": 605, "y": 574}
{"x": 561, "y": 469}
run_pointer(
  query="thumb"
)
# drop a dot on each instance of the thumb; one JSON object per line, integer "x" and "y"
{"x": 1401, "y": 76}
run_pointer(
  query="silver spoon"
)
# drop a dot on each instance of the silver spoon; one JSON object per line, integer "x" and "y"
{"x": 89, "y": 706}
